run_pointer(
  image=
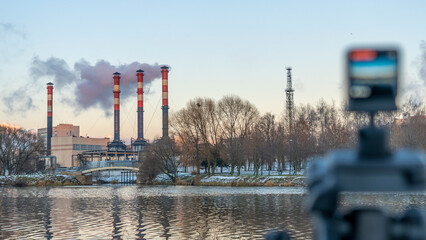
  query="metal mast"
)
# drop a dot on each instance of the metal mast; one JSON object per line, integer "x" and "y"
{"x": 290, "y": 102}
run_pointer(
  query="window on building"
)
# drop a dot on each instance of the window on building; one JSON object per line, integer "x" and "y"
{"x": 85, "y": 147}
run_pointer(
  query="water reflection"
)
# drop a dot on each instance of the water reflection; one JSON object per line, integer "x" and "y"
{"x": 161, "y": 212}
{"x": 47, "y": 223}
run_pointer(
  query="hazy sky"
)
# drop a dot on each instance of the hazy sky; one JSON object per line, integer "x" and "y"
{"x": 214, "y": 48}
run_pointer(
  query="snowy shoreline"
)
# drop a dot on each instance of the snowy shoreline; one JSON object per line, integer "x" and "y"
{"x": 38, "y": 180}
{"x": 232, "y": 180}
{"x": 162, "y": 179}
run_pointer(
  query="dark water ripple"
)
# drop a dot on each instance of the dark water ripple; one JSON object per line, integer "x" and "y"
{"x": 164, "y": 212}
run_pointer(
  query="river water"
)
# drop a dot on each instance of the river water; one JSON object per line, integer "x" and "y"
{"x": 166, "y": 212}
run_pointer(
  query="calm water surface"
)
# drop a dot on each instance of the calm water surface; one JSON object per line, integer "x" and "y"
{"x": 165, "y": 212}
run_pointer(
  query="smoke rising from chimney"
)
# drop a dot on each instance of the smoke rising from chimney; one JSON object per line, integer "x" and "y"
{"x": 55, "y": 68}
{"x": 92, "y": 84}
{"x": 95, "y": 86}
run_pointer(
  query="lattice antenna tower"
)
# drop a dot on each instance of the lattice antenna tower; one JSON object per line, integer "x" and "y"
{"x": 289, "y": 101}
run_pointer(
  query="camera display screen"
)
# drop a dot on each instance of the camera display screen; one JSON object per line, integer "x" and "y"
{"x": 372, "y": 76}
{"x": 381, "y": 70}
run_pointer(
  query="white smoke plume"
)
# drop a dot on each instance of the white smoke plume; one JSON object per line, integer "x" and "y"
{"x": 92, "y": 84}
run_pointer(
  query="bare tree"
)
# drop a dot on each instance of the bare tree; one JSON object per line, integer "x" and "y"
{"x": 410, "y": 131}
{"x": 204, "y": 115}
{"x": 19, "y": 150}
{"x": 268, "y": 134}
{"x": 237, "y": 118}
{"x": 189, "y": 137}
{"x": 149, "y": 166}
{"x": 254, "y": 149}
{"x": 165, "y": 151}
{"x": 281, "y": 146}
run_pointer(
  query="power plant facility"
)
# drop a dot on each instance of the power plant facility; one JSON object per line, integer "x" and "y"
{"x": 65, "y": 148}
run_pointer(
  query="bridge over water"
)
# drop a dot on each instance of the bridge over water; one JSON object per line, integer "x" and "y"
{"x": 113, "y": 168}
{"x": 124, "y": 170}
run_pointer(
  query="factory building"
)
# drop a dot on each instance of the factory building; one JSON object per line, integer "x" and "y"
{"x": 60, "y": 130}
{"x": 66, "y": 142}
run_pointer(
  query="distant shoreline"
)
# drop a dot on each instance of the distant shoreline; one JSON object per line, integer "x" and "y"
{"x": 43, "y": 180}
{"x": 237, "y": 181}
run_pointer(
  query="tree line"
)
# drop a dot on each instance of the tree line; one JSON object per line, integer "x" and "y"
{"x": 210, "y": 135}
{"x": 231, "y": 132}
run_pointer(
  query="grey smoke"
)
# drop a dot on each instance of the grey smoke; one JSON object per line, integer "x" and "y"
{"x": 10, "y": 28}
{"x": 95, "y": 86}
{"x": 55, "y": 68}
{"x": 92, "y": 84}
{"x": 18, "y": 101}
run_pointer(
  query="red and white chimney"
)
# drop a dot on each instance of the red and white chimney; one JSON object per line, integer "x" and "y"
{"x": 49, "y": 118}
{"x": 165, "y": 106}
{"x": 140, "y": 141}
{"x": 116, "y": 144}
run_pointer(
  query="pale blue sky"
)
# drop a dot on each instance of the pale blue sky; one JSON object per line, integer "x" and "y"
{"x": 214, "y": 48}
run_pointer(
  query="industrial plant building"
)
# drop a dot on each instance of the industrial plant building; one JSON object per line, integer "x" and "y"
{"x": 66, "y": 142}
{"x": 60, "y": 130}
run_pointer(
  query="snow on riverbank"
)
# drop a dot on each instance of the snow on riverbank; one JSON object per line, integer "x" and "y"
{"x": 230, "y": 180}
{"x": 37, "y": 179}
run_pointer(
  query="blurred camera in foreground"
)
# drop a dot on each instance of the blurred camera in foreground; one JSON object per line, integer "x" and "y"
{"x": 372, "y": 80}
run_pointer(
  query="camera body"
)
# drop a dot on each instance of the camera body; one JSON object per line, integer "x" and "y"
{"x": 372, "y": 86}
{"x": 348, "y": 170}
{"x": 372, "y": 79}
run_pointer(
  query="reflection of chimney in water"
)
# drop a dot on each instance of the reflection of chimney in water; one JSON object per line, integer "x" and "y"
{"x": 165, "y": 106}
{"x": 49, "y": 117}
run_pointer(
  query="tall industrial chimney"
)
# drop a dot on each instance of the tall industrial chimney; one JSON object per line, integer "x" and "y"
{"x": 116, "y": 144}
{"x": 140, "y": 141}
{"x": 116, "y": 92}
{"x": 49, "y": 117}
{"x": 165, "y": 106}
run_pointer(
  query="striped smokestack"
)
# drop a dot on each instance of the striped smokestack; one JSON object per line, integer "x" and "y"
{"x": 116, "y": 92}
{"x": 165, "y": 106}
{"x": 139, "y": 74}
{"x": 49, "y": 117}
{"x": 140, "y": 142}
{"x": 116, "y": 144}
